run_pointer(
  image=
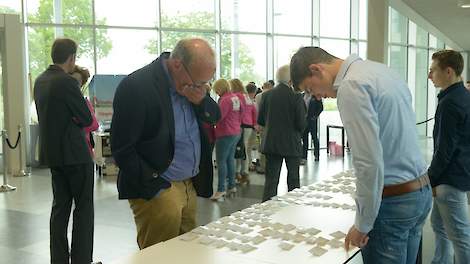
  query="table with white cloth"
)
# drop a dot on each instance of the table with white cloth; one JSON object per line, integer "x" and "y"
{"x": 306, "y": 225}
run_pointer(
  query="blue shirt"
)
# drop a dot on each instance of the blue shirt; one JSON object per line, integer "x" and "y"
{"x": 375, "y": 107}
{"x": 185, "y": 163}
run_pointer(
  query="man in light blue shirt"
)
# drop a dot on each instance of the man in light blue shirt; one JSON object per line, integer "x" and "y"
{"x": 393, "y": 197}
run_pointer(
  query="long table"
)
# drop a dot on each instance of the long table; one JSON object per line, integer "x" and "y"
{"x": 306, "y": 225}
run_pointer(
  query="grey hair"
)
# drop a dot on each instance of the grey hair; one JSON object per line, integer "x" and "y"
{"x": 182, "y": 52}
{"x": 303, "y": 58}
{"x": 186, "y": 51}
{"x": 283, "y": 74}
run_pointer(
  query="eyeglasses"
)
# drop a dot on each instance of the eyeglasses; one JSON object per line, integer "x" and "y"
{"x": 194, "y": 84}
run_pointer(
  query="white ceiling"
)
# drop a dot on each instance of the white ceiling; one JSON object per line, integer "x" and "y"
{"x": 447, "y": 17}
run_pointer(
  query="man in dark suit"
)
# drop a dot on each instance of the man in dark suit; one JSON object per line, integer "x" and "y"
{"x": 63, "y": 113}
{"x": 314, "y": 109}
{"x": 282, "y": 114}
{"x": 158, "y": 142}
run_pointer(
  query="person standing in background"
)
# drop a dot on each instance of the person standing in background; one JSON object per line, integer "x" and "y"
{"x": 449, "y": 171}
{"x": 227, "y": 133}
{"x": 81, "y": 75}
{"x": 282, "y": 114}
{"x": 261, "y": 163}
{"x": 314, "y": 109}
{"x": 63, "y": 114}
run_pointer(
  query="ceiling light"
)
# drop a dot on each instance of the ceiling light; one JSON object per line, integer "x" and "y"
{"x": 464, "y": 3}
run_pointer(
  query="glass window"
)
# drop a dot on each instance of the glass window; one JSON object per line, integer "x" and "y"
{"x": 243, "y": 57}
{"x": 335, "y": 18}
{"x": 40, "y": 40}
{"x": 243, "y": 15}
{"x": 71, "y": 11}
{"x": 131, "y": 49}
{"x": 10, "y": 7}
{"x": 363, "y": 19}
{"x": 363, "y": 50}
{"x": 432, "y": 41}
{"x": 338, "y": 48}
{"x": 432, "y": 100}
{"x": 398, "y": 60}
{"x": 188, "y": 14}
{"x": 126, "y": 13}
{"x": 170, "y": 38}
{"x": 293, "y": 17}
{"x": 440, "y": 44}
{"x": 285, "y": 47}
{"x": 398, "y": 27}
{"x": 421, "y": 37}
{"x": 421, "y": 88}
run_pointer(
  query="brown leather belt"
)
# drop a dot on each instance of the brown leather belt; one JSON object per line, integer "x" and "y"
{"x": 407, "y": 187}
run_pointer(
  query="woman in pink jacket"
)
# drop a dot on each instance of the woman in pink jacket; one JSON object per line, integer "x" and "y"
{"x": 82, "y": 75}
{"x": 249, "y": 118}
{"x": 227, "y": 134}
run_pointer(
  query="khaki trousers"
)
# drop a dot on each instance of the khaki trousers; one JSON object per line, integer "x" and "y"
{"x": 168, "y": 215}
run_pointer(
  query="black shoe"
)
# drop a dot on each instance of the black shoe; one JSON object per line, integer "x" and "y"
{"x": 317, "y": 158}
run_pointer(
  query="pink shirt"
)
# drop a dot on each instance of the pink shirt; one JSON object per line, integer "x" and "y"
{"x": 230, "y": 120}
{"x": 250, "y": 114}
{"x": 93, "y": 127}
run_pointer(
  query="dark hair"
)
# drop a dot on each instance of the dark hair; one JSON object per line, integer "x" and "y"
{"x": 251, "y": 88}
{"x": 449, "y": 58}
{"x": 62, "y": 49}
{"x": 271, "y": 82}
{"x": 300, "y": 62}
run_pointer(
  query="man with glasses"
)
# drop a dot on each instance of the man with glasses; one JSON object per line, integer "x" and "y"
{"x": 158, "y": 142}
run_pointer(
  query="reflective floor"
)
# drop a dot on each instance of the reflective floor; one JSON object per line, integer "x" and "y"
{"x": 24, "y": 213}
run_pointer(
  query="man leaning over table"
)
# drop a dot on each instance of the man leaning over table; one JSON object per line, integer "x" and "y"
{"x": 393, "y": 195}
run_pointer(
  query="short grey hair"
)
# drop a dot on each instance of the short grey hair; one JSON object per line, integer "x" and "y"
{"x": 283, "y": 74}
{"x": 182, "y": 52}
{"x": 303, "y": 58}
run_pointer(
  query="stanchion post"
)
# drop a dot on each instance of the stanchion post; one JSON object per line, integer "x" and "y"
{"x": 5, "y": 187}
{"x": 22, "y": 172}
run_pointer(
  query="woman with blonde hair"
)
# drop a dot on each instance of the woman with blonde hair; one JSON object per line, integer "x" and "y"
{"x": 227, "y": 134}
{"x": 249, "y": 116}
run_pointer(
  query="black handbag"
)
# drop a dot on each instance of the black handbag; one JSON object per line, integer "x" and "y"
{"x": 240, "y": 149}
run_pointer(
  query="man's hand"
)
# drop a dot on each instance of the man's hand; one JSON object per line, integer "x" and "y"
{"x": 355, "y": 238}
{"x": 195, "y": 94}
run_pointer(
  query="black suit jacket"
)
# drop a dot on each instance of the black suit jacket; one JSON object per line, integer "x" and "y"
{"x": 315, "y": 107}
{"x": 143, "y": 133}
{"x": 282, "y": 113}
{"x": 62, "y": 114}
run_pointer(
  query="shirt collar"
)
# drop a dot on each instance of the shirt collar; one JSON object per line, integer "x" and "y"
{"x": 344, "y": 69}
{"x": 164, "y": 57}
{"x": 451, "y": 88}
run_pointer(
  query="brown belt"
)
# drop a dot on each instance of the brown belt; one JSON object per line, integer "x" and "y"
{"x": 407, "y": 187}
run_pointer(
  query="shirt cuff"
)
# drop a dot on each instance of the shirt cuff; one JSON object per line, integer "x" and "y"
{"x": 362, "y": 224}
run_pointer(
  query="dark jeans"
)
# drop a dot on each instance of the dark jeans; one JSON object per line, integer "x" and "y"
{"x": 72, "y": 183}
{"x": 273, "y": 171}
{"x": 312, "y": 129}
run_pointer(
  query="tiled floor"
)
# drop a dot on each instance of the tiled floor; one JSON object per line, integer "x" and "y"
{"x": 24, "y": 213}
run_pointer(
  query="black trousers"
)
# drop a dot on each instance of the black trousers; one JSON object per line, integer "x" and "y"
{"x": 273, "y": 171}
{"x": 312, "y": 128}
{"x": 72, "y": 183}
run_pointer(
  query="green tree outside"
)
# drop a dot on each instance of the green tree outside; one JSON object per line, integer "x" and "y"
{"x": 199, "y": 20}
{"x": 40, "y": 38}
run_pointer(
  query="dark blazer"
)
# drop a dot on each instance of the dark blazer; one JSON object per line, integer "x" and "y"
{"x": 282, "y": 113}
{"x": 315, "y": 107}
{"x": 143, "y": 133}
{"x": 62, "y": 114}
{"x": 451, "y": 160}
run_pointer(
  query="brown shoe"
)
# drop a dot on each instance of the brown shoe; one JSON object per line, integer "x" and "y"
{"x": 245, "y": 179}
